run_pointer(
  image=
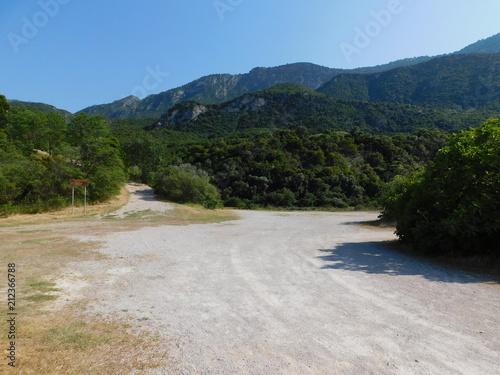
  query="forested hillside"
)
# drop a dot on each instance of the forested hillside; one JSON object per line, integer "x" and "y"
{"x": 40, "y": 153}
{"x": 42, "y": 107}
{"x": 289, "y": 106}
{"x": 460, "y": 81}
{"x": 290, "y": 168}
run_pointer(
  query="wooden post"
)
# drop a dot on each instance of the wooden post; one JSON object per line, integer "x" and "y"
{"x": 78, "y": 183}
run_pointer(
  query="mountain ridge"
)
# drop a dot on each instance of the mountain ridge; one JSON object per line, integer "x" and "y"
{"x": 40, "y": 107}
{"x": 219, "y": 88}
{"x": 290, "y": 106}
{"x": 459, "y": 81}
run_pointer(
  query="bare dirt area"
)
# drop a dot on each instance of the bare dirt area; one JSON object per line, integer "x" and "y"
{"x": 256, "y": 292}
{"x": 287, "y": 293}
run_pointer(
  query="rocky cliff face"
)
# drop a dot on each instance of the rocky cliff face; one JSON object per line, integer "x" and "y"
{"x": 181, "y": 114}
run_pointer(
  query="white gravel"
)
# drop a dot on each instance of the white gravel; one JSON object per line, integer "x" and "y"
{"x": 295, "y": 293}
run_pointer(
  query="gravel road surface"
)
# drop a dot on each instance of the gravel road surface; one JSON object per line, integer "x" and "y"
{"x": 293, "y": 293}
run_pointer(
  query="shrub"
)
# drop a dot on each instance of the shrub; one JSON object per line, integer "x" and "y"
{"x": 453, "y": 207}
{"x": 181, "y": 187}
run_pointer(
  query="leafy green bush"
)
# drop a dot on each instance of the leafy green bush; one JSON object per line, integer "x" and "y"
{"x": 181, "y": 187}
{"x": 453, "y": 207}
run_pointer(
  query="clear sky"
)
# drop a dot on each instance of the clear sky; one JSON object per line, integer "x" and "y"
{"x": 75, "y": 53}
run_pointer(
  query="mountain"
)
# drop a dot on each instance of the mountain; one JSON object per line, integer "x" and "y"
{"x": 41, "y": 107}
{"x": 123, "y": 108}
{"x": 289, "y": 106}
{"x": 216, "y": 88}
{"x": 219, "y": 88}
{"x": 459, "y": 81}
{"x": 489, "y": 45}
{"x": 393, "y": 65}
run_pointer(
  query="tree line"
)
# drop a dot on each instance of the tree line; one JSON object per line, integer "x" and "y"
{"x": 290, "y": 168}
{"x": 441, "y": 190}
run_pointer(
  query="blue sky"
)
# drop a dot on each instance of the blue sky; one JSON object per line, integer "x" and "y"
{"x": 74, "y": 53}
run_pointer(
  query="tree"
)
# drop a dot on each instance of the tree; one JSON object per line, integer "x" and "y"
{"x": 181, "y": 187}
{"x": 453, "y": 207}
{"x": 99, "y": 156}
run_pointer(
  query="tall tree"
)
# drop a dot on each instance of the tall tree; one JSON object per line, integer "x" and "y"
{"x": 99, "y": 155}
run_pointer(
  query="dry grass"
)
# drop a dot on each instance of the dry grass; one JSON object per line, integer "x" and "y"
{"x": 65, "y": 213}
{"x": 52, "y": 340}
{"x": 66, "y": 341}
{"x": 69, "y": 343}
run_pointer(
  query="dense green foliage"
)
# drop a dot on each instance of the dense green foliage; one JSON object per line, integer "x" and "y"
{"x": 455, "y": 81}
{"x": 40, "y": 153}
{"x": 292, "y": 168}
{"x": 290, "y": 106}
{"x": 453, "y": 207}
{"x": 187, "y": 184}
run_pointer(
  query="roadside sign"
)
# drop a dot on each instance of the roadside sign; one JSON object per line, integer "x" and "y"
{"x": 79, "y": 183}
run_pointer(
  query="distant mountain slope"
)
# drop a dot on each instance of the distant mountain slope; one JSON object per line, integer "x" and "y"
{"x": 458, "y": 81}
{"x": 41, "y": 107}
{"x": 216, "y": 88}
{"x": 288, "y": 106}
{"x": 393, "y": 65}
{"x": 488, "y": 45}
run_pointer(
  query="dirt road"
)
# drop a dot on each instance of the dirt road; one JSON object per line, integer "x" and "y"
{"x": 293, "y": 293}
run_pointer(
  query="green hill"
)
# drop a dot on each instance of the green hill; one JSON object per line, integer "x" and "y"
{"x": 290, "y": 106}
{"x": 42, "y": 107}
{"x": 455, "y": 81}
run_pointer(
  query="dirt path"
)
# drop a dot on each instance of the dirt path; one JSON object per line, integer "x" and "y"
{"x": 293, "y": 293}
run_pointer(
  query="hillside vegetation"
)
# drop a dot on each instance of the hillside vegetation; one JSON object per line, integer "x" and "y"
{"x": 460, "y": 81}
{"x": 289, "y": 106}
{"x": 40, "y": 153}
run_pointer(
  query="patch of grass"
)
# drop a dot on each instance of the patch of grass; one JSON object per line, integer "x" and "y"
{"x": 185, "y": 215}
{"x": 41, "y": 297}
{"x": 75, "y": 335}
{"x": 68, "y": 343}
{"x": 40, "y": 241}
{"x": 149, "y": 215}
{"x": 42, "y": 286}
{"x": 66, "y": 215}
{"x": 33, "y": 231}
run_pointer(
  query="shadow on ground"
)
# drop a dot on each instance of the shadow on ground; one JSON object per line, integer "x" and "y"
{"x": 145, "y": 195}
{"x": 378, "y": 258}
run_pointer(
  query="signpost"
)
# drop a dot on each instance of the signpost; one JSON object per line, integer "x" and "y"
{"x": 74, "y": 183}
